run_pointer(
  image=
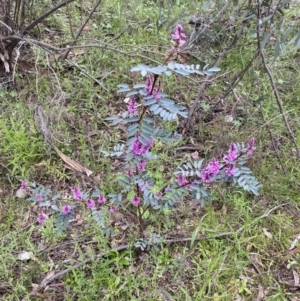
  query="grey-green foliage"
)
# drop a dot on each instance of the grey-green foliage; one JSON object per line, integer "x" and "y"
{"x": 144, "y": 126}
{"x": 175, "y": 67}
{"x": 63, "y": 220}
{"x": 242, "y": 175}
{"x": 148, "y": 243}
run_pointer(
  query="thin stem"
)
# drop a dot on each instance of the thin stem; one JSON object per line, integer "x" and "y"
{"x": 82, "y": 27}
{"x": 145, "y": 108}
{"x": 224, "y": 166}
{"x": 274, "y": 87}
{"x": 45, "y": 282}
{"x": 140, "y": 222}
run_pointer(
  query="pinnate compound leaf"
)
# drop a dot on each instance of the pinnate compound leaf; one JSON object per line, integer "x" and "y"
{"x": 131, "y": 93}
{"x": 214, "y": 69}
{"x": 150, "y": 102}
{"x": 123, "y": 90}
{"x": 54, "y": 207}
{"x": 138, "y": 86}
{"x": 55, "y": 197}
{"x": 62, "y": 221}
{"x": 112, "y": 118}
{"x": 99, "y": 217}
{"x": 131, "y": 119}
{"x": 123, "y": 86}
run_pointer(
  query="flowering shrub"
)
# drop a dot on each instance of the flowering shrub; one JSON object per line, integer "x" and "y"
{"x": 147, "y": 105}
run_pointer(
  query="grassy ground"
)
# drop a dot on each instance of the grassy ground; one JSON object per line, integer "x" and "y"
{"x": 252, "y": 264}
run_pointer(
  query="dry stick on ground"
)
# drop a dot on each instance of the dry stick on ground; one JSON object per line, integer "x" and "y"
{"x": 236, "y": 79}
{"x": 189, "y": 122}
{"x": 48, "y": 47}
{"x": 238, "y": 232}
{"x": 57, "y": 50}
{"x": 239, "y": 76}
{"x": 81, "y": 28}
{"x": 14, "y": 42}
{"x": 275, "y": 91}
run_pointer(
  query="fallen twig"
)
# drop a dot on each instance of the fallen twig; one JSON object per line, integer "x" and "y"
{"x": 200, "y": 94}
{"x": 58, "y": 275}
{"x": 274, "y": 87}
{"x": 47, "y": 135}
{"x": 82, "y": 27}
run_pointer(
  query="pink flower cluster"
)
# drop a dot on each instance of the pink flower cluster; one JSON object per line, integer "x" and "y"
{"x": 181, "y": 180}
{"x": 77, "y": 194}
{"x": 41, "y": 218}
{"x": 251, "y": 147}
{"x": 25, "y": 186}
{"x": 179, "y": 36}
{"x": 132, "y": 106}
{"x": 229, "y": 159}
{"x": 141, "y": 166}
{"x": 136, "y": 201}
{"x": 101, "y": 199}
{"x": 130, "y": 173}
{"x": 150, "y": 90}
{"x": 90, "y": 203}
{"x": 232, "y": 154}
{"x": 66, "y": 209}
{"x": 39, "y": 196}
{"x": 212, "y": 168}
{"x": 138, "y": 148}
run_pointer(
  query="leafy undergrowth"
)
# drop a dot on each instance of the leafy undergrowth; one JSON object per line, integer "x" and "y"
{"x": 235, "y": 248}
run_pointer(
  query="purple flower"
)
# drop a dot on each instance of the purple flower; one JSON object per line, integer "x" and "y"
{"x": 39, "y": 197}
{"x": 181, "y": 180}
{"x": 251, "y": 147}
{"x": 112, "y": 209}
{"x": 149, "y": 88}
{"x": 136, "y": 201}
{"x": 90, "y": 203}
{"x": 232, "y": 147}
{"x": 181, "y": 42}
{"x": 66, "y": 209}
{"x": 205, "y": 175}
{"x": 141, "y": 165}
{"x": 24, "y": 185}
{"x": 41, "y": 218}
{"x": 213, "y": 167}
{"x": 132, "y": 106}
{"x": 101, "y": 199}
{"x": 156, "y": 95}
{"x": 230, "y": 170}
{"x": 138, "y": 148}
{"x": 251, "y": 143}
{"x": 231, "y": 156}
{"x": 149, "y": 84}
{"x": 144, "y": 186}
{"x": 179, "y": 35}
{"x": 77, "y": 194}
{"x": 130, "y": 173}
